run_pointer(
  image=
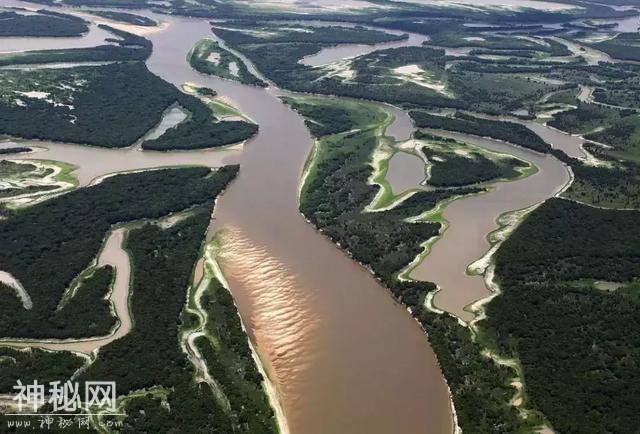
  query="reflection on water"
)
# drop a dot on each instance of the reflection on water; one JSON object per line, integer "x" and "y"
{"x": 324, "y": 380}
{"x": 571, "y": 145}
{"x": 170, "y": 119}
{"x": 269, "y": 291}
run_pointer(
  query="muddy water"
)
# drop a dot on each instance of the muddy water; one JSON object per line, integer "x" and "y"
{"x": 343, "y": 355}
{"x": 94, "y": 162}
{"x": 406, "y": 171}
{"x": 472, "y": 219}
{"x": 339, "y": 52}
{"x": 171, "y": 119}
{"x": 112, "y": 254}
{"x": 570, "y": 144}
{"x": 95, "y": 36}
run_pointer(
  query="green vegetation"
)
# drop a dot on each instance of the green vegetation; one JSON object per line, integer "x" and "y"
{"x": 577, "y": 345}
{"x": 624, "y": 46}
{"x": 622, "y": 93}
{"x": 15, "y": 150}
{"x": 155, "y": 374}
{"x": 229, "y": 360}
{"x": 150, "y": 355}
{"x": 209, "y": 57}
{"x": 502, "y": 130}
{"x": 162, "y": 263}
{"x": 82, "y": 104}
{"x": 619, "y": 128}
{"x": 44, "y": 23}
{"x": 136, "y": 20}
{"x": 47, "y": 245}
{"x": 617, "y": 186}
{"x": 334, "y": 201}
{"x": 455, "y": 164}
{"x": 126, "y": 48}
{"x": 31, "y": 364}
{"x": 277, "y": 54}
{"x": 324, "y": 119}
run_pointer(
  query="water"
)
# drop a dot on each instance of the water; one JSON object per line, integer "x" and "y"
{"x": 93, "y": 162}
{"x": 344, "y": 357}
{"x": 170, "y": 119}
{"x": 95, "y": 36}
{"x": 471, "y": 219}
{"x": 331, "y": 54}
{"x": 313, "y": 314}
{"x": 406, "y": 171}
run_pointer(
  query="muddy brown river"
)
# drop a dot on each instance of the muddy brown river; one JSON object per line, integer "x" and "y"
{"x": 344, "y": 357}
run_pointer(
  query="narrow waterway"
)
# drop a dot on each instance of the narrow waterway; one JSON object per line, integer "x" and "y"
{"x": 112, "y": 254}
{"x": 471, "y": 219}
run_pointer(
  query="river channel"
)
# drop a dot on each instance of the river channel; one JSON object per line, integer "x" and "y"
{"x": 343, "y": 355}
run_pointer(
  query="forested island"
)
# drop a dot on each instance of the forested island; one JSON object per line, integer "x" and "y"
{"x": 43, "y": 23}
{"x": 209, "y": 57}
{"x": 34, "y": 106}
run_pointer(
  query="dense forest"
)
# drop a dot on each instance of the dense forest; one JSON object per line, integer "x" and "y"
{"x": 15, "y": 150}
{"x": 618, "y": 128}
{"x": 125, "y": 17}
{"x": 623, "y": 46}
{"x": 278, "y": 59}
{"x": 47, "y": 245}
{"x": 29, "y": 364}
{"x": 150, "y": 357}
{"x": 229, "y": 360}
{"x": 501, "y": 130}
{"x": 617, "y": 186}
{"x": 43, "y": 23}
{"x": 450, "y": 169}
{"x": 86, "y": 113}
{"x": 126, "y": 47}
{"x": 578, "y": 345}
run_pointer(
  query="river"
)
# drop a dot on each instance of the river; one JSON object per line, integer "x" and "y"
{"x": 338, "y": 348}
{"x": 343, "y": 355}
{"x": 471, "y": 219}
